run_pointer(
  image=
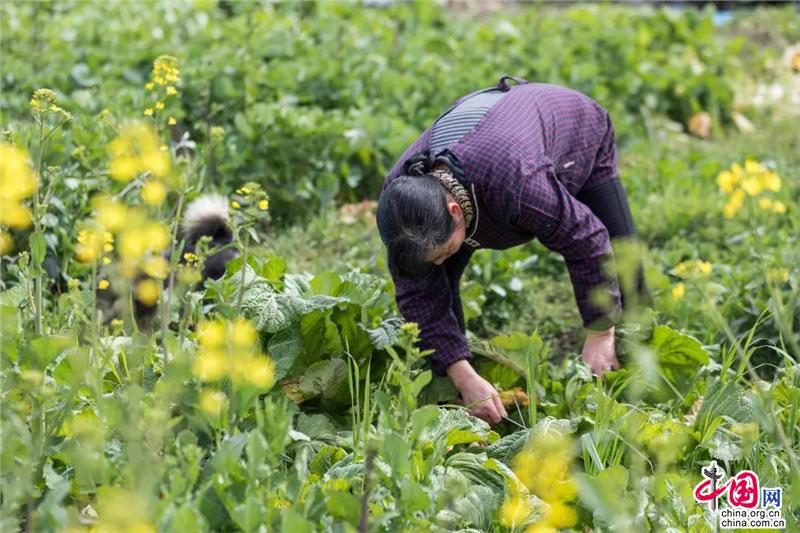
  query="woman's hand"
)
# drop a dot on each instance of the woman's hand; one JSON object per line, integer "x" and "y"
{"x": 598, "y": 351}
{"x": 478, "y": 395}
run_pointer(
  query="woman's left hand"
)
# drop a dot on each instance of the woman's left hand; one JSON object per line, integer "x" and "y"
{"x": 598, "y": 351}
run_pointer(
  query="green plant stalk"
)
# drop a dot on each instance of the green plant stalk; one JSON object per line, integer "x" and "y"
{"x": 167, "y": 305}
{"x": 37, "y": 279}
{"x": 352, "y": 383}
{"x": 530, "y": 385}
{"x": 243, "y": 247}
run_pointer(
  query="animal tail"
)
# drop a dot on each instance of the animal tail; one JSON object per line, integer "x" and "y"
{"x": 208, "y": 216}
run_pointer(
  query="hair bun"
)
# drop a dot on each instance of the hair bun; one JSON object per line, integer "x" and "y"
{"x": 419, "y": 164}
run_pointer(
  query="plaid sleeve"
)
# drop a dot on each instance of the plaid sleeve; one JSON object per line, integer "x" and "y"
{"x": 544, "y": 207}
{"x": 429, "y": 303}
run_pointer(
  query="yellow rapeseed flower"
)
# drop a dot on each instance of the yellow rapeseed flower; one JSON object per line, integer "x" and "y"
{"x": 726, "y": 181}
{"x": 157, "y": 234}
{"x": 189, "y": 257}
{"x": 157, "y": 162}
{"x": 156, "y": 267}
{"x": 753, "y": 167}
{"x": 235, "y": 204}
{"x": 172, "y": 91}
{"x": 212, "y": 402}
{"x": 17, "y": 182}
{"x": 124, "y": 168}
{"x": 132, "y": 245}
{"x": 6, "y": 242}
{"x": 263, "y": 205}
{"x": 149, "y": 86}
{"x": 103, "y": 284}
{"x": 136, "y": 241}
{"x": 211, "y": 333}
{"x": 260, "y": 371}
{"x": 154, "y": 192}
{"x": 541, "y": 527}
{"x": 136, "y": 150}
{"x": 171, "y": 121}
{"x": 148, "y": 291}
{"x": 514, "y": 512}
{"x": 778, "y": 207}
{"x": 148, "y": 112}
{"x": 209, "y": 365}
{"x": 771, "y": 181}
{"x": 678, "y": 291}
{"x": 752, "y": 185}
{"x": 734, "y": 204}
{"x": 90, "y": 245}
{"x": 765, "y": 203}
{"x": 17, "y": 179}
{"x": 243, "y": 334}
{"x": 106, "y": 261}
{"x": 693, "y": 268}
{"x": 15, "y": 215}
{"x": 165, "y": 70}
{"x": 160, "y": 105}
{"x": 561, "y": 515}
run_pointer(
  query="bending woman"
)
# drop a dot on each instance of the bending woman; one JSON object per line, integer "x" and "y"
{"x": 499, "y": 168}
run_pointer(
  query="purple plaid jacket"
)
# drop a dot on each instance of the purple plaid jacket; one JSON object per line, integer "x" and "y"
{"x": 524, "y": 163}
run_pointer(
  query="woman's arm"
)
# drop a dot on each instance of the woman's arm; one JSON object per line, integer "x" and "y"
{"x": 434, "y": 304}
{"x": 430, "y": 303}
{"x": 545, "y": 208}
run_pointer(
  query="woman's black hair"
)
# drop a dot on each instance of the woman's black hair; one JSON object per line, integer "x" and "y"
{"x": 413, "y": 219}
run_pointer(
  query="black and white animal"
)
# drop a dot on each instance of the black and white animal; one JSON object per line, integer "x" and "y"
{"x": 208, "y": 216}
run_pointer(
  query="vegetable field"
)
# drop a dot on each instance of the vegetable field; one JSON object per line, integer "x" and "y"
{"x": 289, "y": 395}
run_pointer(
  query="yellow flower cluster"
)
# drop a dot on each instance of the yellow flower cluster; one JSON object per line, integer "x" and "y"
{"x": 694, "y": 268}
{"x": 140, "y": 243}
{"x": 42, "y": 100}
{"x": 43, "y": 103}
{"x": 231, "y": 349}
{"x": 165, "y": 74}
{"x": 137, "y": 150}
{"x": 165, "y": 71}
{"x": 251, "y": 193}
{"x": 544, "y": 467}
{"x": 93, "y": 242}
{"x": 752, "y": 180}
{"x": 17, "y": 182}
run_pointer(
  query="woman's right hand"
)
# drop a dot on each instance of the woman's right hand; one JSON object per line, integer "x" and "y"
{"x": 478, "y": 395}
